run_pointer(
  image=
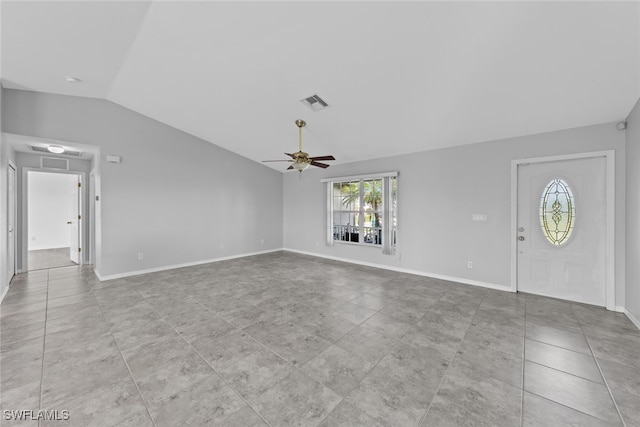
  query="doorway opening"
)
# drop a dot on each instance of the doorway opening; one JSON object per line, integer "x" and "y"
{"x": 54, "y": 219}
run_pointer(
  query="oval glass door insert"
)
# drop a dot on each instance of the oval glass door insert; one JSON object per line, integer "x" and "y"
{"x": 557, "y": 212}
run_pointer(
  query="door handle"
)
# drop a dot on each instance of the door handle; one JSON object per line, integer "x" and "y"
{"x": 521, "y": 238}
{"x": 69, "y": 222}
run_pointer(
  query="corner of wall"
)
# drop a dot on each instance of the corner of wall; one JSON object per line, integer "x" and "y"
{"x": 4, "y": 181}
{"x": 632, "y": 269}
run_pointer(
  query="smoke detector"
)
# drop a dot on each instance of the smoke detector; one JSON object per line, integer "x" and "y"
{"x": 315, "y": 103}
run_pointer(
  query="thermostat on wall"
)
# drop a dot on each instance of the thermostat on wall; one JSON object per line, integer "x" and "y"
{"x": 113, "y": 159}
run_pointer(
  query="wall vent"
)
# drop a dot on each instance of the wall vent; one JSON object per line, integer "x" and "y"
{"x": 45, "y": 150}
{"x": 315, "y": 103}
{"x": 54, "y": 163}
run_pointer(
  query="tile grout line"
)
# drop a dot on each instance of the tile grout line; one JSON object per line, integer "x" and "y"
{"x": 361, "y": 324}
{"x": 268, "y": 349}
{"x": 398, "y": 341}
{"x": 551, "y": 368}
{"x": 559, "y": 347}
{"x": 333, "y": 342}
{"x": 44, "y": 342}
{"x": 297, "y": 368}
{"x": 246, "y": 401}
{"x": 115, "y": 341}
{"x": 567, "y": 407}
{"x": 202, "y": 357}
{"x": 615, "y": 404}
{"x": 524, "y": 357}
{"x": 444, "y": 375}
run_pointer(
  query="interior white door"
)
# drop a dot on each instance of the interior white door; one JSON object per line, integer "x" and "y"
{"x": 11, "y": 225}
{"x": 562, "y": 229}
{"x": 74, "y": 223}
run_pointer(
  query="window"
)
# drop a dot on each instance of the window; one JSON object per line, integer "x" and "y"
{"x": 363, "y": 210}
{"x": 557, "y": 212}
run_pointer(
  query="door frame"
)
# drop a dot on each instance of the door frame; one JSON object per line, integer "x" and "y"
{"x": 609, "y": 155}
{"x": 13, "y": 166}
{"x": 25, "y": 212}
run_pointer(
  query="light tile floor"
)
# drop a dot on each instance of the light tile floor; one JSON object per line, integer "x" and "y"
{"x": 49, "y": 258}
{"x": 286, "y": 339}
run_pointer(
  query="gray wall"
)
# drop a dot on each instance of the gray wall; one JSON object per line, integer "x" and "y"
{"x": 633, "y": 213}
{"x": 438, "y": 191}
{"x": 5, "y": 155}
{"x": 174, "y": 197}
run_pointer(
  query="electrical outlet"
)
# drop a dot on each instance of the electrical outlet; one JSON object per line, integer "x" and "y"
{"x": 262, "y": 241}
{"x": 317, "y": 243}
{"x": 140, "y": 256}
{"x": 469, "y": 264}
{"x": 221, "y": 245}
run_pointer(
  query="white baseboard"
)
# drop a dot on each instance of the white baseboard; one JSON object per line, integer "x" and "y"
{"x": 174, "y": 266}
{"x": 408, "y": 271}
{"x": 4, "y": 293}
{"x": 632, "y": 318}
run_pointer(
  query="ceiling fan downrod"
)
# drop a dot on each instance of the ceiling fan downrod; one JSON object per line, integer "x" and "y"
{"x": 300, "y": 124}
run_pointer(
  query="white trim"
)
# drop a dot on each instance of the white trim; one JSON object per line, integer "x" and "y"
{"x": 406, "y": 270}
{"x": 4, "y": 293}
{"x": 329, "y": 215}
{"x": 609, "y": 155}
{"x": 514, "y": 225}
{"x": 174, "y": 266}
{"x": 358, "y": 177}
{"x": 25, "y": 218}
{"x": 387, "y": 247}
{"x": 13, "y": 166}
{"x": 632, "y": 318}
{"x": 610, "y": 277}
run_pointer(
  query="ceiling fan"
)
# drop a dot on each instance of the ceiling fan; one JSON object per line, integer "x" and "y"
{"x": 300, "y": 159}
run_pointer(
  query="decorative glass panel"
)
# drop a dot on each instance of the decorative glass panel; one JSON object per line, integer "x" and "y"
{"x": 557, "y": 212}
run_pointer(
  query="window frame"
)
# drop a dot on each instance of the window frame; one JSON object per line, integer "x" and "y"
{"x": 389, "y": 224}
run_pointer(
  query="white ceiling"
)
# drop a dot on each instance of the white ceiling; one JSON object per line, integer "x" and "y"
{"x": 400, "y": 77}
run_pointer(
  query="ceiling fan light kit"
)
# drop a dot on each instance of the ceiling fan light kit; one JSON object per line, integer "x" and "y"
{"x": 301, "y": 160}
{"x": 300, "y": 166}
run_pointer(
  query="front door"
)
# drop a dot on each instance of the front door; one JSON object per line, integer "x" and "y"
{"x": 562, "y": 229}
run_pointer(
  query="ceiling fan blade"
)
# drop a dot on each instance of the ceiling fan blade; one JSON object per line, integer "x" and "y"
{"x": 290, "y": 155}
{"x": 265, "y": 161}
{"x": 320, "y": 165}
{"x": 290, "y": 167}
{"x": 322, "y": 158}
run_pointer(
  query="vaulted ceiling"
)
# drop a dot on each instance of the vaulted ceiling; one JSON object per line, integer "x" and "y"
{"x": 399, "y": 77}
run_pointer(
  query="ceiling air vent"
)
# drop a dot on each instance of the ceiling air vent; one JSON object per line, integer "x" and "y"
{"x": 46, "y": 150}
{"x": 315, "y": 103}
{"x": 54, "y": 163}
